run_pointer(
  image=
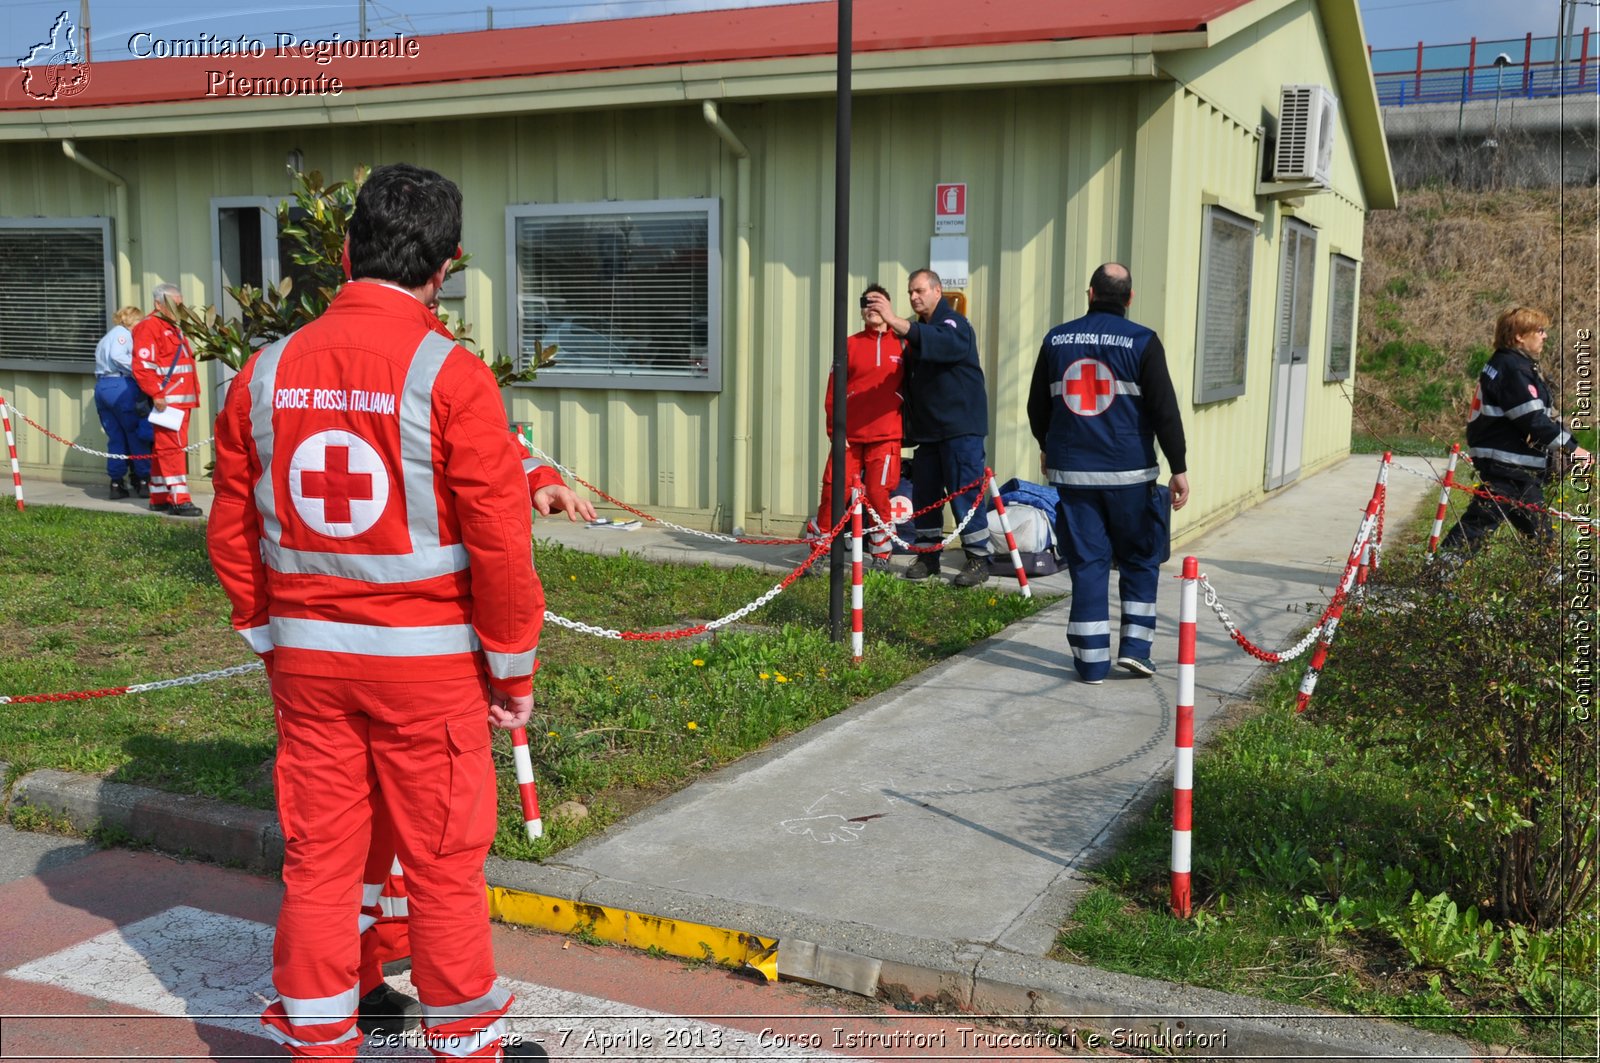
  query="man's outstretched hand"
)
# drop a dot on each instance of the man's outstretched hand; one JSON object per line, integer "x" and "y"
{"x": 560, "y": 497}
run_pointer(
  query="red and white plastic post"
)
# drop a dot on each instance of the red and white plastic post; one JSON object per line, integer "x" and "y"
{"x": 525, "y": 787}
{"x": 856, "y": 638}
{"x": 1308, "y": 683}
{"x": 1382, "y": 490}
{"x": 1011, "y": 540}
{"x": 1183, "y": 743}
{"x": 1445, "y": 485}
{"x": 11, "y": 445}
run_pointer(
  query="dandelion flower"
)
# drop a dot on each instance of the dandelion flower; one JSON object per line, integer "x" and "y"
{"x": 573, "y": 578}
{"x": 691, "y": 725}
{"x": 552, "y": 734}
{"x": 698, "y": 663}
{"x": 764, "y": 675}
{"x": 782, "y": 678}
{"x": 994, "y": 601}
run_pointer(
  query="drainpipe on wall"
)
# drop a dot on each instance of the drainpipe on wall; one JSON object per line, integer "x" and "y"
{"x": 741, "y": 318}
{"x": 119, "y": 223}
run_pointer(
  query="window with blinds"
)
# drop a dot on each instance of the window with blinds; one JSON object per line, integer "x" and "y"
{"x": 628, "y": 293}
{"x": 1227, "y": 253}
{"x": 1341, "y": 318}
{"x": 56, "y": 288}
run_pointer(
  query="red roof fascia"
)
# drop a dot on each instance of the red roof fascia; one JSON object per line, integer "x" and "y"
{"x": 784, "y": 31}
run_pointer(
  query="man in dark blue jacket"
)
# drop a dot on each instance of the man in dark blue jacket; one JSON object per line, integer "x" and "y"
{"x": 946, "y": 415}
{"x": 1100, "y": 400}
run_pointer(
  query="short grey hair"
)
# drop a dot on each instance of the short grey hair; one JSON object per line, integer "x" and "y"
{"x": 165, "y": 292}
{"x": 933, "y": 278}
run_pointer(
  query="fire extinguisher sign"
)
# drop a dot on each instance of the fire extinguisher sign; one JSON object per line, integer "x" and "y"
{"x": 949, "y": 208}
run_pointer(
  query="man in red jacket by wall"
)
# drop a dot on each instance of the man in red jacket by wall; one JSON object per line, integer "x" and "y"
{"x": 874, "y": 373}
{"x": 163, "y": 367}
{"x": 371, "y": 529}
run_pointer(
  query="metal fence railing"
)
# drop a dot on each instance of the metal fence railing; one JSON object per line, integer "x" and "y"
{"x": 1485, "y": 70}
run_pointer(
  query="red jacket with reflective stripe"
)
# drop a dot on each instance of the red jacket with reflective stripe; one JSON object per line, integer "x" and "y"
{"x": 371, "y": 514}
{"x": 155, "y": 342}
{"x": 875, "y": 370}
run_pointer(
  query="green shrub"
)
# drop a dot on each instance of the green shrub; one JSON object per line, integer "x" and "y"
{"x": 1470, "y": 686}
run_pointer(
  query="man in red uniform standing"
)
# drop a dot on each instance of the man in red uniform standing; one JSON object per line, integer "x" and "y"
{"x": 874, "y": 373}
{"x": 163, "y": 367}
{"x": 371, "y": 528}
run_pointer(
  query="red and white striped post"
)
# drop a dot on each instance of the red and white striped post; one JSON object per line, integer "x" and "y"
{"x": 1445, "y": 485}
{"x": 1308, "y": 683}
{"x": 1183, "y": 743}
{"x": 1011, "y": 540}
{"x": 11, "y": 445}
{"x": 1382, "y": 490}
{"x": 525, "y": 787}
{"x": 855, "y": 575}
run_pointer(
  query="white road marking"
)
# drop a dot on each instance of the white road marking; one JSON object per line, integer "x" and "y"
{"x": 217, "y": 969}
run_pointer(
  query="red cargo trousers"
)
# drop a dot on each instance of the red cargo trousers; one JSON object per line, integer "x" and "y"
{"x": 422, "y": 751}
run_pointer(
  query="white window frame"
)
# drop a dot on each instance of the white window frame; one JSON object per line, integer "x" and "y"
{"x": 269, "y": 247}
{"x": 644, "y": 379}
{"x": 1338, "y": 263}
{"x": 53, "y": 362}
{"x": 1202, "y": 394}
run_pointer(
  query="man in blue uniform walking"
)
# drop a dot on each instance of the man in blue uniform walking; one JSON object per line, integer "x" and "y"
{"x": 1100, "y": 400}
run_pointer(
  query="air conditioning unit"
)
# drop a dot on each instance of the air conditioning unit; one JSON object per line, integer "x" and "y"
{"x": 1308, "y": 116}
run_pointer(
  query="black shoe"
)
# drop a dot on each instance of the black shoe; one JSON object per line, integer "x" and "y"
{"x": 186, "y": 509}
{"x": 877, "y": 563}
{"x": 388, "y": 1011}
{"x": 119, "y": 489}
{"x": 141, "y": 488}
{"x": 524, "y": 1050}
{"x": 1139, "y": 666}
{"x": 924, "y": 567}
{"x": 974, "y": 572}
{"x": 161, "y": 507}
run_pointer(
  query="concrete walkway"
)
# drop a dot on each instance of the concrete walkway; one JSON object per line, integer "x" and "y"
{"x": 930, "y": 842}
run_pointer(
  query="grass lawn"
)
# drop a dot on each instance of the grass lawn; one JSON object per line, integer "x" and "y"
{"x": 1338, "y": 873}
{"x": 95, "y": 600}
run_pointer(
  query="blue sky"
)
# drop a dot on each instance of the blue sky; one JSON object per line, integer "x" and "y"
{"x": 1389, "y": 23}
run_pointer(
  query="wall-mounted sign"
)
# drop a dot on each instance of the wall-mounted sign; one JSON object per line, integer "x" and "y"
{"x": 950, "y": 209}
{"x": 947, "y": 256}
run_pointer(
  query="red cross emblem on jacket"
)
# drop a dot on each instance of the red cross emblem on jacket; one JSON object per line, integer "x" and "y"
{"x": 339, "y": 483}
{"x": 1088, "y": 387}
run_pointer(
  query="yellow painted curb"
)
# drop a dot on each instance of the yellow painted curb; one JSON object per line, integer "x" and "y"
{"x": 694, "y": 941}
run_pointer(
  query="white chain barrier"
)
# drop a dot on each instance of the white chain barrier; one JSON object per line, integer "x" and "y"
{"x": 137, "y": 688}
{"x": 190, "y": 449}
{"x": 921, "y": 548}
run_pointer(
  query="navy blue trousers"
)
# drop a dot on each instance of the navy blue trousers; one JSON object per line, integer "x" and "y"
{"x": 116, "y": 400}
{"x": 1102, "y": 527}
{"x": 936, "y": 470}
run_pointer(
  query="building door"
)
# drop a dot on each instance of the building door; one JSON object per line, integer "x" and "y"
{"x": 1291, "y": 354}
{"x": 244, "y": 250}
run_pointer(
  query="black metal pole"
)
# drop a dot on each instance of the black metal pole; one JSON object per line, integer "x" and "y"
{"x": 843, "y": 318}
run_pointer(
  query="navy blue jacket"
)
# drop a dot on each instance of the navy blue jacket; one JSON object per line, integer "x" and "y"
{"x": 944, "y": 390}
{"x": 1101, "y": 396}
{"x": 1512, "y": 420}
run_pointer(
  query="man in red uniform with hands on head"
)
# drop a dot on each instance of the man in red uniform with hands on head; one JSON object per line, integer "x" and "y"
{"x": 875, "y": 372}
{"x": 371, "y": 528}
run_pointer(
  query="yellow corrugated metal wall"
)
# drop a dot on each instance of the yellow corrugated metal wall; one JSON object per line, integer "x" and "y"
{"x": 1223, "y": 95}
{"x": 1059, "y": 179}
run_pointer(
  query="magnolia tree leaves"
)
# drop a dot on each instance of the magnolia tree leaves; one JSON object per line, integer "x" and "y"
{"x": 311, "y": 229}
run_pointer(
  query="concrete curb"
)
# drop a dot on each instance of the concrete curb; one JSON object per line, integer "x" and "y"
{"x": 1100, "y": 1009}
